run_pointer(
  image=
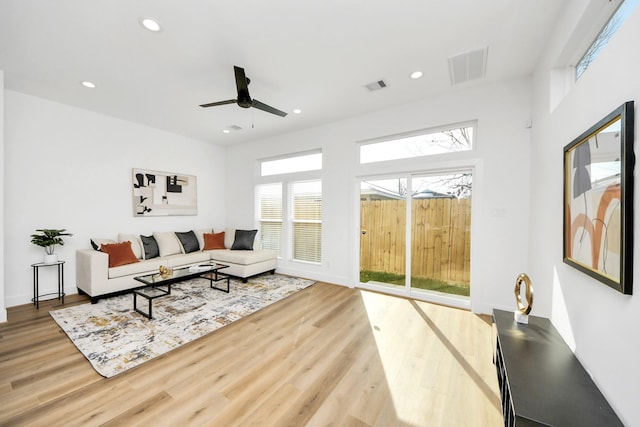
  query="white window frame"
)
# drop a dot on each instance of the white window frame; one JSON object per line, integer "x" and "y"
{"x": 286, "y": 179}
{"x": 470, "y": 124}
{"x": 260, "y": 220}
{"x": 607, "y": 30}
{"x": 293, "y": 157}
{"x": 292, "y": 221}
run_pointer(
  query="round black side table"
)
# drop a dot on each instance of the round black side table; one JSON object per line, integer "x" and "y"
{"x": 36, "y": 294}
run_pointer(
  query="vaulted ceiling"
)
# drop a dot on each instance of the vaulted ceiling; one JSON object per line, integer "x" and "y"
{"x": 317, "y": 56}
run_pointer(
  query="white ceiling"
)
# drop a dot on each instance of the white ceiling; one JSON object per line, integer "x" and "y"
{"x": 313, "y": 55}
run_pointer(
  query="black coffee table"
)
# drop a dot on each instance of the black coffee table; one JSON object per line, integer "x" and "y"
{"x": 158, "y": 286}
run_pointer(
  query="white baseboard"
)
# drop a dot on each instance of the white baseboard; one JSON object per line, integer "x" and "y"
{"x": 336, "y": 280}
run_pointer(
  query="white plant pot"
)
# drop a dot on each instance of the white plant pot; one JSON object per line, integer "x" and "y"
{"x": 50, "y": 259}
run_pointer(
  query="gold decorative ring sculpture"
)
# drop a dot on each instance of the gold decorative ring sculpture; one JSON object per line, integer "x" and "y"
{"x": 524, "y": 309}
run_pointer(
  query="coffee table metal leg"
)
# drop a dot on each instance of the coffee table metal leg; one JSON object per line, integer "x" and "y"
{"x": 135, "y": 306}
{"x": 217, "y": 279}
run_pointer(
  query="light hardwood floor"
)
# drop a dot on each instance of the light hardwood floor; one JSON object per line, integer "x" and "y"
{"x": 328, "y": 355}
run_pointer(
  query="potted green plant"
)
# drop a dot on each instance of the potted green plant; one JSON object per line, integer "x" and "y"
{"x": 48, "y": 239}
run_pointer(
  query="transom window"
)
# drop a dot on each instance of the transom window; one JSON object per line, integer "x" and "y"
{"x": 426, "y": 143}
{"x": 290, "y": 164}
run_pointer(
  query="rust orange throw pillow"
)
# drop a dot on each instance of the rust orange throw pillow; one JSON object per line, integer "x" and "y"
{"x": 213, "y": 241}
{"x": 119, "y": 253}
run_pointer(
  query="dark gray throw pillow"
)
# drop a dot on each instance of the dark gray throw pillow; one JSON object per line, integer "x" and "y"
{"x": 189, "y": 241}
{"x": 150, "y": 247}
{"x": 244, "y": 240}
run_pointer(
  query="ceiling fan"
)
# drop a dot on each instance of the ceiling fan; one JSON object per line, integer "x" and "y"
{"x": 244, "y": 99}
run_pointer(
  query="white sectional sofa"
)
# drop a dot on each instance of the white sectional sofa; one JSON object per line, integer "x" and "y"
{"x": 95, "y": 278}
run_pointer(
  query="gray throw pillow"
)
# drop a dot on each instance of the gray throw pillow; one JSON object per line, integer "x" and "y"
{"x": 150, "y": 247}
{"x": 244, "y": 240}
{"x": 189, "y": 241}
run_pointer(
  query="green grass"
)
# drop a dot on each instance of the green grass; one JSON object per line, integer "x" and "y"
{"x": 417, "y": 282}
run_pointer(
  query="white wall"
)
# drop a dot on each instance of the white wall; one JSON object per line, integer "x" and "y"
{"x": 599, "y": 323}
{"x": 500, "y": 221}
{"x": 3, "y": 312}
{"x": 70, "y": 168}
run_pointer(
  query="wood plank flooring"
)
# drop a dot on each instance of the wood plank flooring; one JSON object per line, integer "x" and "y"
{"x": 328, "y": 355}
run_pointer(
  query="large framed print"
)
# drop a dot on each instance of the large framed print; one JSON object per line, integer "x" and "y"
{"x": 163, "y": 193}
{"x": 598, "y": 200}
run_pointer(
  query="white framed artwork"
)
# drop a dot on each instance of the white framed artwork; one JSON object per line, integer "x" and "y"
{"x": 163, "y": 193}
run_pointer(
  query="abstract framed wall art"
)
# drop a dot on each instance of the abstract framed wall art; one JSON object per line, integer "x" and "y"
{"x": 163, "y": 193}
{"x": 598, "y": 200}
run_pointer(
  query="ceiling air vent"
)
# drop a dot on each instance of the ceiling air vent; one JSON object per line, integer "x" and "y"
{"x": 468, "y": 66}
{"x": 234, "y": 128}
{"x": 380, "y": 84}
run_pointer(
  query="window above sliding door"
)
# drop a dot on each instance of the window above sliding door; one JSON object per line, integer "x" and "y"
{"x": 450, "y": 139}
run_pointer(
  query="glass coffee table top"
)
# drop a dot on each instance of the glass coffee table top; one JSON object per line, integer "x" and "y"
{"x": 159, "y": 285}
{"x": 179, "y": 274}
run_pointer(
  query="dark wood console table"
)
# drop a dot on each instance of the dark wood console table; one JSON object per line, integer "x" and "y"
{"x": 541, "y": 381}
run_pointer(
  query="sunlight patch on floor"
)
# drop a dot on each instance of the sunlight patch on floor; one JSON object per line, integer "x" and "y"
{"x": 440, "y": 373}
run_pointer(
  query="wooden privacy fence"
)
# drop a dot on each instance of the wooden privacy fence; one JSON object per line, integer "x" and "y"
{"x": 440, "y": 236}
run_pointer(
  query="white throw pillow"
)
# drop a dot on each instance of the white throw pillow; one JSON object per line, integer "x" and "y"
{"x": 168, "y": 243}
{"x": 229, "y": 237}
{"x": 200, "y": 235}
{"x": 136, "y": 246}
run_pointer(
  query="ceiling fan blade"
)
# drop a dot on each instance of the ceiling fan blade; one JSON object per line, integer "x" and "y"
{"x": 213, "y": 104}
{"x": 269, "y": 109}
{"x": 242, "y": 84}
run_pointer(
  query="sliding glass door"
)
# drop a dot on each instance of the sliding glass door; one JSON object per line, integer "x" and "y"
{"x": 441, "y": 232}
{"x": 415, "y": 233}
{"x": 383, "y": 208}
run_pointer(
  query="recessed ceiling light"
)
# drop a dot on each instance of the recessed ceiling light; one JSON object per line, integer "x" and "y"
{"x": 90, "y": 85}
{"x": 297, "y": 111}
{"x": 416, "y": 75}
{"x": 150, "y": 24}
{"x": 226, "y": 131}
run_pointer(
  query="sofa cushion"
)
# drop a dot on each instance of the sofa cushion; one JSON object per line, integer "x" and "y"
{"x": 119, "y": 253}
{"x": 168, "y": 243}
{"x": 229, "y": 236}
{"x": 242, "y": 257}
{"x": 96, "y": 242}
{"x": 136, "y": 269}
{"x": 149, "y": 247}
{"x": 244, "y": 240}
{"x": 213, "y": 241}
{"x": 180, "y": 260}
{"x": 188, "y": 241}
{"x": 136, "y": 247}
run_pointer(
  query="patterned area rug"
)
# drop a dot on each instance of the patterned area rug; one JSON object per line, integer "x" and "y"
{"x": 114, "y": 338}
